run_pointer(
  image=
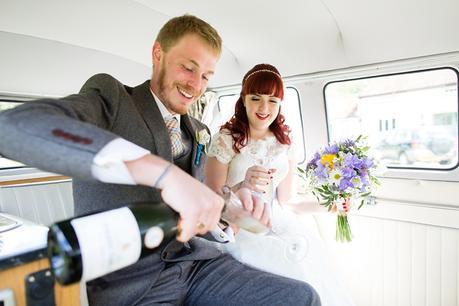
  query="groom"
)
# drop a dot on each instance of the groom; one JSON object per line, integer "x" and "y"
{"x": 124, "y": 144}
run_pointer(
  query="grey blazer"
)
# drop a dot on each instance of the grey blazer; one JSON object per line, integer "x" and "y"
{"x": 64, "y": 135}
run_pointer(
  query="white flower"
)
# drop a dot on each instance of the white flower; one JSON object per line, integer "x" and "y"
{"x": 202, "y": 137}
{"x": 357, "y": 182}
{"x": 335, "y": 176}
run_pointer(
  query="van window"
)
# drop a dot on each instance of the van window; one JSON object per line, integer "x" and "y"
{"x": 290, "y": 107}
{"x": 4, "y": 162}
{"x": 411, "y": 119}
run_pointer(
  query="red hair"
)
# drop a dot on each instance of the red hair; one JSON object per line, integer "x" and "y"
{"x": 263, "y": 79}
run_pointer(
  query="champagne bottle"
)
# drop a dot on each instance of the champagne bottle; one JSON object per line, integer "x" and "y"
{"x": 87, "y": 247}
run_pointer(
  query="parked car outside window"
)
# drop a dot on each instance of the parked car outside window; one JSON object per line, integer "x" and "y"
{"x": 418, "y": 147}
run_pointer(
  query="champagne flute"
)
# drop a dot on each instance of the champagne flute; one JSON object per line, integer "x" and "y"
{"x": 296, "y": 249}
{"x": 263, "y": 159}
{"x": 296, "y": 246}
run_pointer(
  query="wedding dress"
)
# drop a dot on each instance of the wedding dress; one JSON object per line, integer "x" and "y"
{"x": 293, "y": 250}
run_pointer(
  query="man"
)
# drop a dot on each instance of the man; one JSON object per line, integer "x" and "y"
{"x": 120, "y": 145}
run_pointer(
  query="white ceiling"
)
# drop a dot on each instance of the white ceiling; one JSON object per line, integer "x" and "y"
{"x": 298, "y": 36}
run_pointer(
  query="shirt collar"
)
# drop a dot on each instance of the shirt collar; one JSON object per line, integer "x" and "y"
{"x": 164, "y": 111}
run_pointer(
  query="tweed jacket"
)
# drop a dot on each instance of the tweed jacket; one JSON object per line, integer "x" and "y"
{"x": 64, "y": 135}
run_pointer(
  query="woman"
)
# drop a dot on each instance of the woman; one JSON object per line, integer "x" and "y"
{"x": 254, "y": 149}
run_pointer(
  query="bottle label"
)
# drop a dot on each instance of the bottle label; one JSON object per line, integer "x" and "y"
{"x": 108, "y": 241}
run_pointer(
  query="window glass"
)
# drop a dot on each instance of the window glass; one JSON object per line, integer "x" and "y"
{"x": 225, "y": 109}
{"x": 411, "y": 119}
{"x": 290, "y": 107}
{"x": 4, "y": 162}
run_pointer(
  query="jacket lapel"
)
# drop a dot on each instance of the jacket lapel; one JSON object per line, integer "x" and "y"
{"x": 154, "y": 120}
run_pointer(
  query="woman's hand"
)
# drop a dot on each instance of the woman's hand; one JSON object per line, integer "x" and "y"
{"x": 257, "y": 178}
{"x": 342, "y": 207}
{"x": 255, "y": 205}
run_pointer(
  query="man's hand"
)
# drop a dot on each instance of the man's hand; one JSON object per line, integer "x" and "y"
{"x": 255, "y": 204}
{"x": 199, "y": 207}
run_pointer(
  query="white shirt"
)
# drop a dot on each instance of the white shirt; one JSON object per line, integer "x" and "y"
{"x": 162, "y": 108}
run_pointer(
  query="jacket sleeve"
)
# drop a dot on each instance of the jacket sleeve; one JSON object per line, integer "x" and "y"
{"x": 63, "y": 135}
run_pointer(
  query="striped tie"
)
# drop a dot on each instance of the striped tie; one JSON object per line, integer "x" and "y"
{"x": 177, "y": 146}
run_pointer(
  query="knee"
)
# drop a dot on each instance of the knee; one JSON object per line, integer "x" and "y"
{"x": 306, "y": 295}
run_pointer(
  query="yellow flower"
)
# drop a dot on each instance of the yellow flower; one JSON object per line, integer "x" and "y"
{"x": 327, "y": 159}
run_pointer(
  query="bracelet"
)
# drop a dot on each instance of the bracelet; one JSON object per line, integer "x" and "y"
{"x": 162, "y": 175}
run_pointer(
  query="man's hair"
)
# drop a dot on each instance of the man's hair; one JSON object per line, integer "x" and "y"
{"x": 178, "y": 27}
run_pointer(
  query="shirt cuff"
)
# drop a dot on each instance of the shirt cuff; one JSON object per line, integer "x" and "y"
{"x": 108, "y": 165}
{"x": 223, "y": 235}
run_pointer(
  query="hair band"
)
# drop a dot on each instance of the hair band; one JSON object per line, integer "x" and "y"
{"x": 262, "y": 70}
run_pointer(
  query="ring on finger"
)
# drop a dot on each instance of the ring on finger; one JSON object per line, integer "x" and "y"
{"x": 200, "y": 225}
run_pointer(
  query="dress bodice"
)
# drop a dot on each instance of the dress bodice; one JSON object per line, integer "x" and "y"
{"x": 267, "y": 152}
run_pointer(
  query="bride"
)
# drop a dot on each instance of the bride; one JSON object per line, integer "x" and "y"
{"x": 253, "y": 149}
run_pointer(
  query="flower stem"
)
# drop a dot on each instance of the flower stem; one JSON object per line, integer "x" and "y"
{"x": 343, "y": 230}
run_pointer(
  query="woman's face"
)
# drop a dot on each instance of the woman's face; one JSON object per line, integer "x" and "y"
{"x": 261, "y": 110}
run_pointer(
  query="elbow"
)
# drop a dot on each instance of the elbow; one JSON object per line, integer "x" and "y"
{"x": 284, "y": 197}
{"x": 286, "y": 193}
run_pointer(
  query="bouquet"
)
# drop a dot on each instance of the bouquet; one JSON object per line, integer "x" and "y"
{"x": 342, "y": 174}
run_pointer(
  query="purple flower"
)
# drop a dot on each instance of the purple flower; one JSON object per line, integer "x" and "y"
{"x": 346, "y": 169}
{"x": 367, "y": 163}
{"x": 333, "y": 149}
{"x": 312, "y": 164}
{"x": 351, "y": 160}
{"x": 321, "y": 171}
{"x": 348, "y": 173}
{"x": 364, "y": 178}
{"x": 348, "y": 143}
{"x": 345, "y": 183}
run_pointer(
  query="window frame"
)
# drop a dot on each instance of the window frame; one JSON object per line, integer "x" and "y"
{"x": 404, "y": 168}
{"x": 19, "y": 101}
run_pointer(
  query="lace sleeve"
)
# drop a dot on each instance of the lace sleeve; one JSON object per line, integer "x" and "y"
{"x": 221, "y": 147}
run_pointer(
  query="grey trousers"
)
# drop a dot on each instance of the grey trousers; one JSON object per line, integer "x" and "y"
{"x": 225, "y": 281}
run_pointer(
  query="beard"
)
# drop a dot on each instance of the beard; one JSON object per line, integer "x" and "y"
{"x": 163, "y": 88}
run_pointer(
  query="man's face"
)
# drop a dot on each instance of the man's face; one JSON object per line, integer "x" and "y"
{"x": 180, "y": 75}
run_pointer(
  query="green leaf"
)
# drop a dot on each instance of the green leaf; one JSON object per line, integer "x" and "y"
{"x": 361, "y": 204}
